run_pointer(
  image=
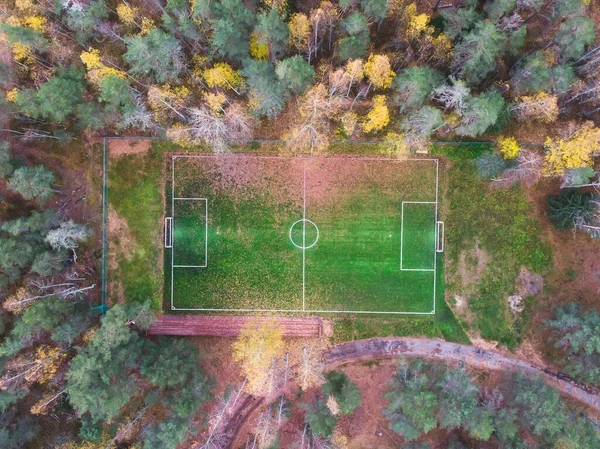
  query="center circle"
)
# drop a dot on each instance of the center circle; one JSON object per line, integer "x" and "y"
{"x": 304, "y": 234}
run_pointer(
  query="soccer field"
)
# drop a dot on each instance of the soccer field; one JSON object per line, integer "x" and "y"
{"x": 301, "y": 234}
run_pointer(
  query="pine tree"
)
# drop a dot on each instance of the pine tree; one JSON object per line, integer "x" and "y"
{"x": 156, "y": 56}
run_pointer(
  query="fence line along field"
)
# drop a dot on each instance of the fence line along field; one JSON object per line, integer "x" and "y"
{"x": 300, "y": 234}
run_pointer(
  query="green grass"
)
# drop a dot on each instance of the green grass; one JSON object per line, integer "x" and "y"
{"x": 135, "y": 194}
{"x": 252, "y": 264}
{"x": 418, "y": 236}
{"x": 502, "y": 221}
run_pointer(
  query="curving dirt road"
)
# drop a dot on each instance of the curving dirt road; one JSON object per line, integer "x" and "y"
{"x": 431, "y": 349}
{"x": 394, "y": 347}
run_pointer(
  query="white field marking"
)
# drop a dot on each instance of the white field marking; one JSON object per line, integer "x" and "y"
{"x": 304, "y": 221}
{"x": 173, "y": 158}
{"x": 304, "y": 310}
{"x": 439, "y": 248}
{"x": 307, "y": 311}
{"x": 437, "y": 171}
{"x": 303, "y": 234}
{"x": 205, "y": 234}
{"x": 402, "y": 237}
{"x": 168, "y": 232}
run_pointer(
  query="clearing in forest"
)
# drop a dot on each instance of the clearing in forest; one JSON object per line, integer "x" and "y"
{"x": 301, "y": 234}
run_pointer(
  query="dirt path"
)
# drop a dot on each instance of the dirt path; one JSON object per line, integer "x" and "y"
{"x": 394, "y": 347}
{"x": 431, "y": 349}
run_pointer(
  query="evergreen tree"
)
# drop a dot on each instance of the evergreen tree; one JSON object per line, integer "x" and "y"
{"x": 568, "y": 205}
{"x": 475, "y": 55}
{"x": 157, "y": 56}
{"x": 574, "y": 36}
{"x": 415, "y": 84}
{"x": 458, "y": 20}
{"x": 345, "y": 392}
{"x": 99, "y": 383}
{"x": 6, "y": 167}
{"x": 576, "y": 332}
{"x": 32, "y": 183}
{"x": 481, "y": 113}
{"x": 56, "y": 99}
{"x": 319, "y": 419}
{"x": 231, "y": 29}
{"x": 267, "y": 93}
{"x": 295, "y": 74}
{"x": 274, "y": 30}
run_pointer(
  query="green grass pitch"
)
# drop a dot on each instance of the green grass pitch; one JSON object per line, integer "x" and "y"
{"x": 314, "y": 234}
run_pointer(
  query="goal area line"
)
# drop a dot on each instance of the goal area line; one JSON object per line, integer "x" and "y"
{"x": 304, "y": 309}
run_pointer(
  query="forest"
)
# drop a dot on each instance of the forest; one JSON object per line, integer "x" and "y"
{"x": 505, "y": 92}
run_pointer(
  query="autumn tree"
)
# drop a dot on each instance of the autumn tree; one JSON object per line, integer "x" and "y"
{"x": 508, "y": 147}
{"x": 316, "y": 110}
{"x": 379, "y": 71}
{"x": 575, "y": 150}
{"x": 157, "y": 56}
{"x": 259, "y": 350}
{"x": 541, "y": 107}
{"x": 300, "y": 33}
{"x": 379, "y": 115}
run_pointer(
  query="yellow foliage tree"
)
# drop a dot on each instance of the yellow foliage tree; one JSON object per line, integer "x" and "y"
{"x": 223, "y": 75}
{"x": 299, "y": 31}
{"x": 259, "y": 47}
{"x": 127, "y": 14}
{"x": 398, "y": 144}
{"x": 259, "y": 349}
{"x": 22, "y": 53}
{"x": 379, "y": 71}
{"x": 541, "y": 107}
{"x": 509, "y": 148}
{"x": 106, "y": 442}
{"x": 215, "y": 102}
{"x": 37, "y": 23}
{"x": 575, "y": 151}
{"x": 45, "y": 365}
{"x": 165, "y": 100}
{"x": 96, "y": 70}
{"x": 45, "y": 404}
{"x": 379, "y": 115}
{"x": 11, "y": 95}
{"x": 147, "y": 25}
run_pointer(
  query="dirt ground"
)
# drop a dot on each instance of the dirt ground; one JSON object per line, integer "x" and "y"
{"x": 120, "y": 147}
